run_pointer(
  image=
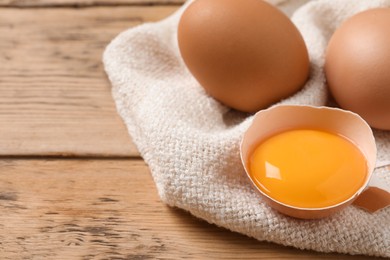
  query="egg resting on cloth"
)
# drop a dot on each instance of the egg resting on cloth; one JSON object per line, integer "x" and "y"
{"x": 191, "y": 142}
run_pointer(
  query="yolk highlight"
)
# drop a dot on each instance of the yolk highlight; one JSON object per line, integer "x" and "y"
{"x": 308, "y": 168}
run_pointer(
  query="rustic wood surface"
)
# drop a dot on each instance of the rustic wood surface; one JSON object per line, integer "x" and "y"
{"x": 53, "y": 90}
{"x": 109, "y": 209}
{"x": 72, "y": 185}
{"x": 62, "y": 3}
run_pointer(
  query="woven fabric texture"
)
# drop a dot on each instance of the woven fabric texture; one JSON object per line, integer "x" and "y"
{"x": 191, "y": 142}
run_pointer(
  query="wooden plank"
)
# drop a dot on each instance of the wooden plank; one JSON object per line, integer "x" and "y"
{"x": 55, "y": 98}
{"x": 44, "y": 3}
{"x": 109, "y": 209}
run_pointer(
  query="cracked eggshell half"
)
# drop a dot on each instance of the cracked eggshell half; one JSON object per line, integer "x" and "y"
{"x": 269, "y": 122}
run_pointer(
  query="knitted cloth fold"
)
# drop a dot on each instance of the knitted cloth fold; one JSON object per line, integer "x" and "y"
{"x": 191, "y": 142}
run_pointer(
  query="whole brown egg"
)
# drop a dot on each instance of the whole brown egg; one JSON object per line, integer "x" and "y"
{"x": 247, "y": 54}
{"x": 357, "y": 66}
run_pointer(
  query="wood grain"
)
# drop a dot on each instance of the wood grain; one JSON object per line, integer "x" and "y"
{"x": 109, "y": 209}
{"x": 55, "y": 98}
{"x": 64, "y": 3}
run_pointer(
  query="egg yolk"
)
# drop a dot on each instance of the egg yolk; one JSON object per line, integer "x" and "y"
{"x": 308, "y": 168}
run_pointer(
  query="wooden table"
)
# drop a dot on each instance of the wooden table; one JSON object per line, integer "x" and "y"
{"x": 72, "y": 183}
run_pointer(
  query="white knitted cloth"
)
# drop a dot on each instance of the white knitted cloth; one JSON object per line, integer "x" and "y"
{"x": 191, "y": 142}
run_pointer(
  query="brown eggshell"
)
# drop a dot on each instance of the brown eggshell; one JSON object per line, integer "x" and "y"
{"x": 246, "y": 54}
{"x": 373, "y": 199}
{"x": 357, "y": 66}
{"x": 276, "y": 119}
